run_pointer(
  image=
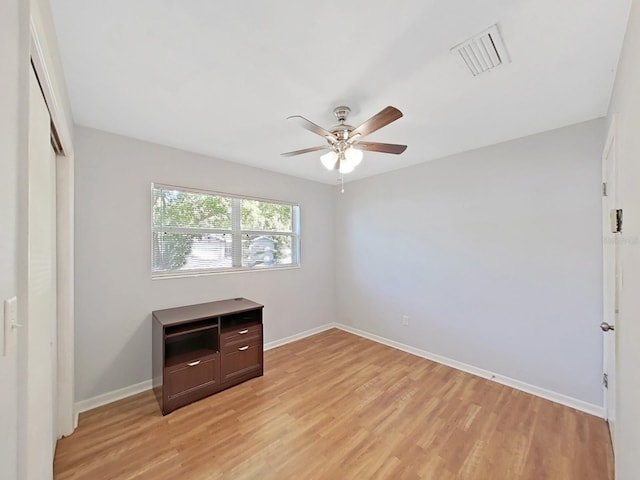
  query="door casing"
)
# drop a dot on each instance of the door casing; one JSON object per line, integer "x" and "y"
{"x": 611, "y": 276}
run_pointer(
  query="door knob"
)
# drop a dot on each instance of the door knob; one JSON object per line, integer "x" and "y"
{"x": 606, "y": 327}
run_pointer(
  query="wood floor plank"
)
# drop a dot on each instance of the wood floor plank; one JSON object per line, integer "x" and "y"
{"x": 337, "y": 406}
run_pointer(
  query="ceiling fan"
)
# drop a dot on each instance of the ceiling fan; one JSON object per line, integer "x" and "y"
{"x": 344, "y": 142}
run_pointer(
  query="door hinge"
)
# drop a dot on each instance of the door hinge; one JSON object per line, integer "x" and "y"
{"x": 605, "y": 380}
{"x": 604, "y": 189}
{"x": 619, "y": 220}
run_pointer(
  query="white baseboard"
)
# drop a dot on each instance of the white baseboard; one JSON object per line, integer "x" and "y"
{"x": 110, "y": 397}
{"x": 586, "y": 407}
{"x": 299, "y": 336}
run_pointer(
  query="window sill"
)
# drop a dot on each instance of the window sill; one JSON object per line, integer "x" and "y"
{"x": 207, "y": 273}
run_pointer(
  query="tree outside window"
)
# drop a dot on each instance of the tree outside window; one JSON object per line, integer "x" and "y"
{"x": 196, "y": 231}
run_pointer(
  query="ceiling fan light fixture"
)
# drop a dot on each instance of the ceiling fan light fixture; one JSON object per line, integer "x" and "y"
{"x": 329, "y": 160}
{"x": 353, "y": 156}
{"x": 346, "y": 166}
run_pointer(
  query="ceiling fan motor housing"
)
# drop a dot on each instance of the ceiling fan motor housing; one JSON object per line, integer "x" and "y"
{"x": 341, "y": 131}
{"x": 341, "y": 113}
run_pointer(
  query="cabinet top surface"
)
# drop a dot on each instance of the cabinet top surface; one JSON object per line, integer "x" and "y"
{"x": 171, "y": 316}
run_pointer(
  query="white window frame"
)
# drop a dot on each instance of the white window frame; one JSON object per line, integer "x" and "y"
{"x": 236, "y": 232}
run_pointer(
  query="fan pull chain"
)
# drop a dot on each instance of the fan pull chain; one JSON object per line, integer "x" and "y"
{"x": 342, "y": 180}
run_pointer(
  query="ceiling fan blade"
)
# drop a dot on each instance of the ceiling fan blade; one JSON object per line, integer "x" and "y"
{"x": 305, "y": 150}
{"x": 381, "y": 147}
{"x": 382, "y": 118}
{"x": 312, "y": 127}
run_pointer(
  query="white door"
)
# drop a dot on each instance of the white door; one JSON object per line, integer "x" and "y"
{"x": 611, "y": 278}
{"x": 40, "y": 297}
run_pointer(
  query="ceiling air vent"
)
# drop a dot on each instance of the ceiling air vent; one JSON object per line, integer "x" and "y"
{"x": 483, "y": 52}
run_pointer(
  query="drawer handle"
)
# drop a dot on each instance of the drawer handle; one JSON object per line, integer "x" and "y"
{"x": 242, "y": 349}
{"x": 193, "y": 364}
{"x": 242, "y": 332}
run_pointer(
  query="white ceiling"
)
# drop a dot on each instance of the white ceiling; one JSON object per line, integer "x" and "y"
{"x": 219, "y": 78}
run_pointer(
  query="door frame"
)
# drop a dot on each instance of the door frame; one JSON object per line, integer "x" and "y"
{"x": 47, "y": 66}
{"x": 609, "y": 149}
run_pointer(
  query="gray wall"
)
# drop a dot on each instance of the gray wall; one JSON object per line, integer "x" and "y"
{"x": 14, "y": 37}
{"x": 495, "y": 255}
{"x": 114, "y": 291}
{"x": 625, "y": 106}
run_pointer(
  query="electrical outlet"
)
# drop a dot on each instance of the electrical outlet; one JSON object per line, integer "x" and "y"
{"x": 405, "y": 320}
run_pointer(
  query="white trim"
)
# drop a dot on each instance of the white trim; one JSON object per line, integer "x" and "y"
{"x": 299, "y": 336}
{"x": 611, "y": 134}
{"x": 41, "y": 63}
{"x": 110, "y": 397}
{"x": 204, "y": 273}
{"x": 586, "y": 407}
{"x": 610, "y": 263}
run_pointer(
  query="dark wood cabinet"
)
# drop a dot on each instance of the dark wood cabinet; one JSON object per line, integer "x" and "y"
{"x": 201, "y": 349}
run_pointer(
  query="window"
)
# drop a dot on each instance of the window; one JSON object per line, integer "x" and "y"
{"x": 197, "y": 232}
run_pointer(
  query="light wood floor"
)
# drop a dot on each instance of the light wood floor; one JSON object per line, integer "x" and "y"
{"x": 337, "y": 406}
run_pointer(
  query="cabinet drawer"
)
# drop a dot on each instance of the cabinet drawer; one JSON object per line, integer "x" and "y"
{"x": 229, "y": 338}
{"x": 188, "y": 376}
{"x": 241, "y": 360}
